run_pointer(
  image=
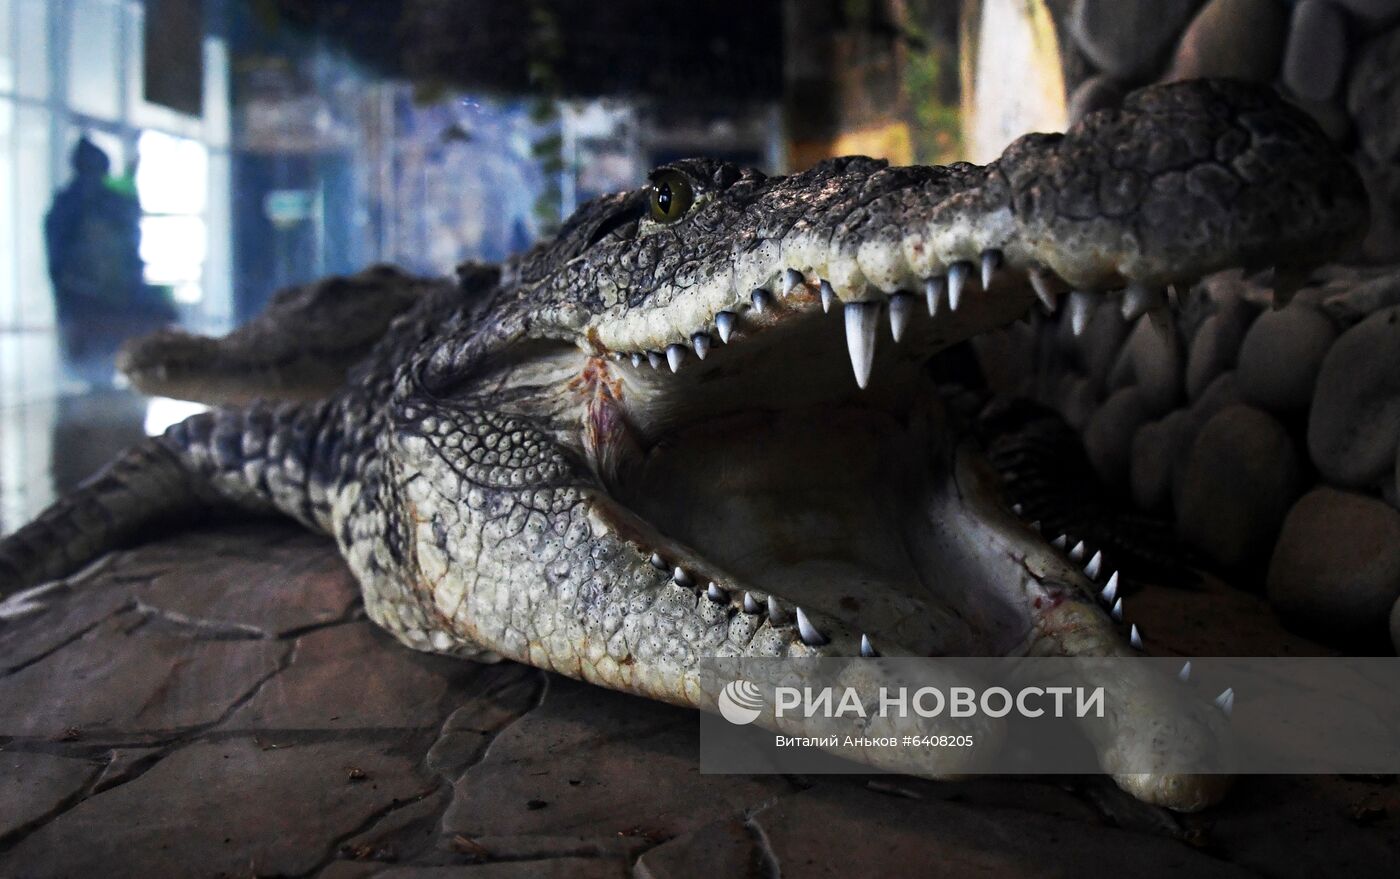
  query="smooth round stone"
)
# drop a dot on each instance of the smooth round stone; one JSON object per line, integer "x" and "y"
{"x": 1281, "y": 356}
{"x": 1077, "y": 402}
{"x": 1355, "y": 419}
{"x": 1216, "y": 345}
{"x": 1151, "y": 361}
{"x": 1336, "y": 567}
{"x": 1314, "y": 63}
{"x": 1373, "y": 97}
{"x": 1101, "y": 341}
{"x": 1108, "y": 437}
{"x": 1156, "y": 448}
{"x": 1218, "y": 395}
{"x": 1359, "y": 298}
{"x": 1098, "y": 92}
{"x": 1240, "y": 477}
{"x": 1129, "y": 39}
{"x": 1239, "y": 39}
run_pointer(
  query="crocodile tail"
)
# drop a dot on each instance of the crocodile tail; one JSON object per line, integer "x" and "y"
{"x": 260, "y": 458}
{"x": 143, "y": 487}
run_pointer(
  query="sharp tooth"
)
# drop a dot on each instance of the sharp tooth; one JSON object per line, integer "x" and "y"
{"x": 1135, "y": 638}
{"x": 1226, "y": 701}
{"x": 1079, "y": 307}
{"x": 717, "y": 594}
{"x": 1138, "y": 300}
{"x": 1060, "y": 542}
{"x": 1035, "y": 526}
{"x": 637, "y": 360}
{"x": 1117, "y": 611}
{"x": 655, "y": 359}
{"x": 991, "y": 261}
{"x": 751, "y": 604}
{"x": 1110, "y": 592}
{"x": 862, "y": 321}
{"x": 681, "y": 577}
{"x": 1044, "y": 290}
{"x": 724, "y": 325}
{"x": 761, "y": 298}
{"x": 934, "y": 289}
{"x": 659, "y": 563}
{"x": 674, "y": 355}
{"x": 792, "y": 279}
{"x": 1018, "y": 509}
{"x": 1077, "y": 554}
{"x": 866, "y": 649}
{"x": 810, "y": 636}
{"x": 1185, "y": 674}
{"x": 1095, "y": 565}
{"x": 828, "y": 297}
{"x": 901, "y": 309}
{"x": 957, "y": 281}
{"x": 776, "y": 615}
{"x": 701, "y": 343}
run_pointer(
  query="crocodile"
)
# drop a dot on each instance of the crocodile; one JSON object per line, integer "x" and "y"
{"x": 700, "y": 420}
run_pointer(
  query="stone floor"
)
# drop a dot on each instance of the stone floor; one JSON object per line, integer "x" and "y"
{"x": 217, "y": 705}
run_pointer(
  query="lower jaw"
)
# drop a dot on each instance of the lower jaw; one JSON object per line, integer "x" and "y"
{"x": 861, "y": 514}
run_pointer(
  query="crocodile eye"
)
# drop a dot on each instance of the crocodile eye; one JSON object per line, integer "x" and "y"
{"x": 671, "y": 196}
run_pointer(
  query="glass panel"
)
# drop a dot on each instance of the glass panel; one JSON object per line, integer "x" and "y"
{"x": 26, "y": 445}
{"x": 8, "y": 280}
{"x": 216, "y": 93}
{"x": 34, "y": 192}
{"x": 32, "y": 48}
{"x": 173, "y": 176}
{"x": 7, "y": 52}
{"x": 133, "y": 45}
{"x": 94, "y": 58}
{"x": 217, "y": 312}
{"x": 174, "y": 249}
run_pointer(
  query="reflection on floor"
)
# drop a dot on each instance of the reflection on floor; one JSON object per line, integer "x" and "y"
{"x": 50, "y": 446}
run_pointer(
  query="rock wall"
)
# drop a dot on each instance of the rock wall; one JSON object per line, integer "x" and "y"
{"x": 1338, "y": 59}
{"x": 1267, "y": 434}
{"x": 1266, "y": 431}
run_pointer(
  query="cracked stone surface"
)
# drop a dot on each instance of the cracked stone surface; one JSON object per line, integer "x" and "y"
{"x": 216, "y": 705}
{"x": 34, "y": 785}
{"x": 130, "y": 679}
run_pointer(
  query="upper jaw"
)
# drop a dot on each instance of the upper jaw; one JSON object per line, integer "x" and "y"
{"x": 1187, "y": 179}
{"x": 798, "y": 320}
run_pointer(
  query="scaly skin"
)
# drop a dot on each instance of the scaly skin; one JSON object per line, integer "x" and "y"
{"x": 299, "y": 348}
{"x": 510, "y": 474}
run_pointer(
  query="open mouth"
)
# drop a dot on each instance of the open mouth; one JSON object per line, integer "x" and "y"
{"x": 799, "y": 512}
{"x": 784, "y": 493}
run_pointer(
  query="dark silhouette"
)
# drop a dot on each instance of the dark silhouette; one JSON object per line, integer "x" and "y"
{"x": 93, "y": 236}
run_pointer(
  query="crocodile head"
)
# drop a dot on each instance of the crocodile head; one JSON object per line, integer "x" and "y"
{"x": 740, "y": 363}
